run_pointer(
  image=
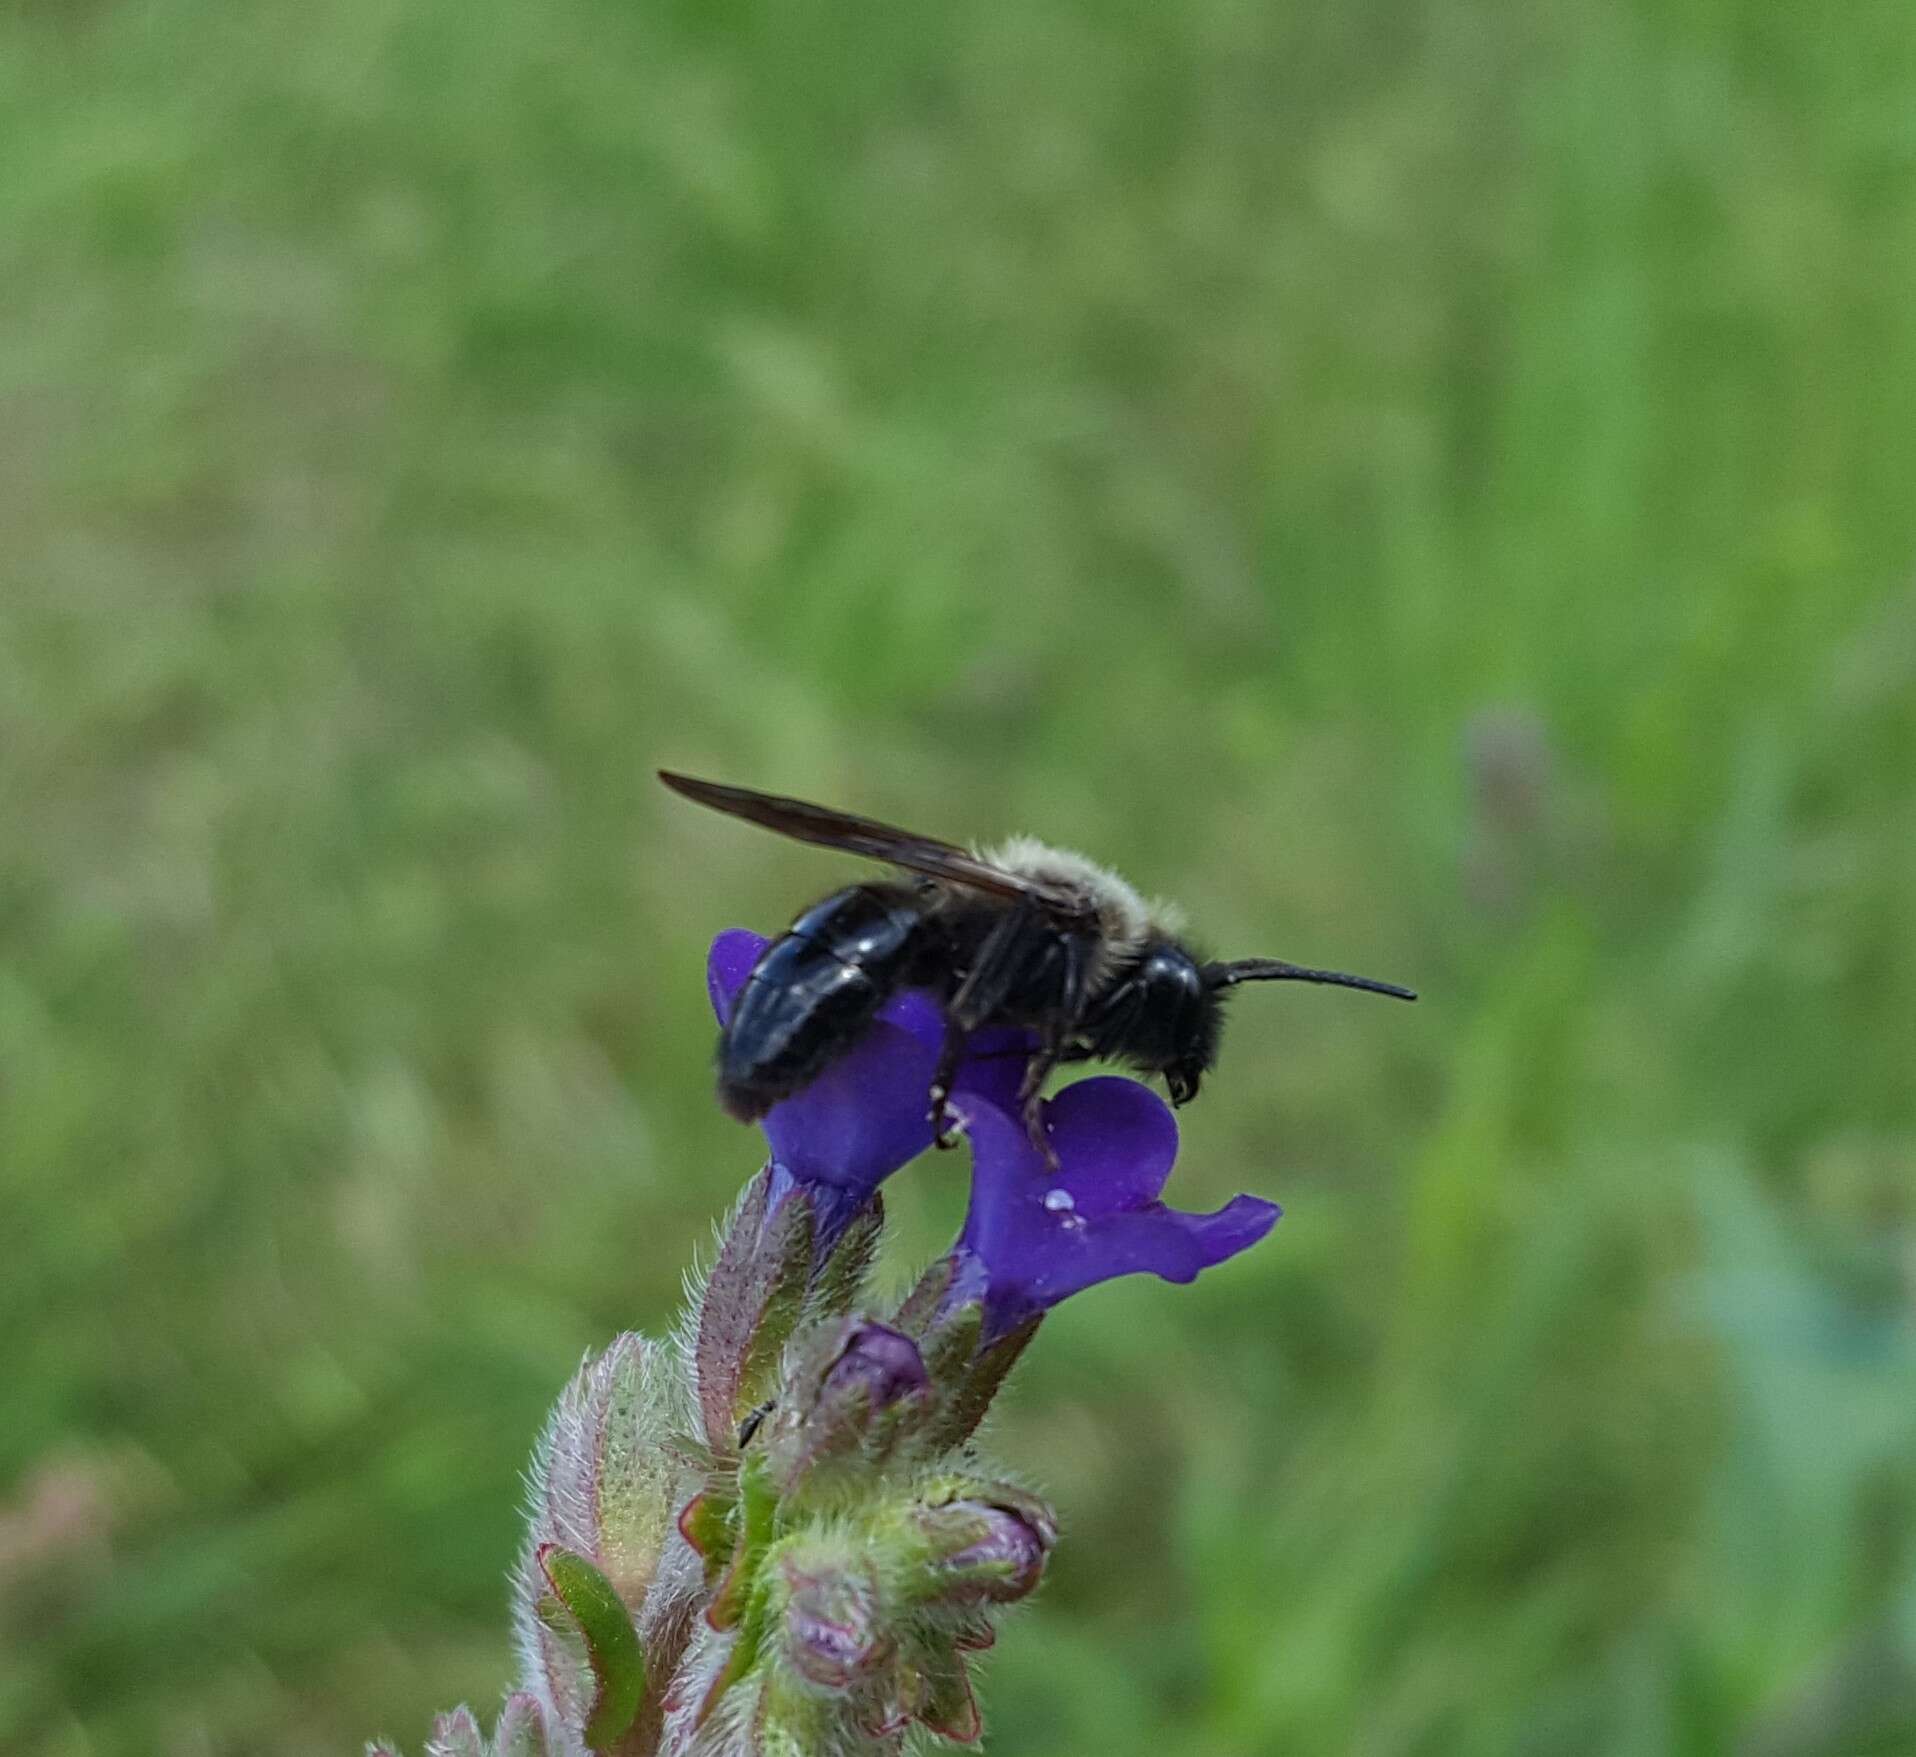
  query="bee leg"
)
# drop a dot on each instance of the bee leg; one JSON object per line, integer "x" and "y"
{"x": 994, "y": 971}
{"x": 949, "y": 1055}
{"x": 1183, "y": 1085}
{"x": 1054, "y": 1041}
{"x": 1031, "y": 1098}
{"x": 998, "y": 965}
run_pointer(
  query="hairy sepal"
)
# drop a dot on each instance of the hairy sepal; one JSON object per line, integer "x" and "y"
{"x": 521, "y": 1732}
{"x": 750, "y": 1304}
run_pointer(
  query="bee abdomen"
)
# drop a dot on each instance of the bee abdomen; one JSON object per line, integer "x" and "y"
{"x": 814, "y": 992}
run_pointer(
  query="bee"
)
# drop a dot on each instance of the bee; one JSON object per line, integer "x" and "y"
{"x": 1021, "y": 935}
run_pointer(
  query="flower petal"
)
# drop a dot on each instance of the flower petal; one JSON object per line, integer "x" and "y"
{"x": 994, "y": 1065}
{"x": 1115, "y": 1139}
{"x": 862, "y": 1118}
{"x": 728, "y": 964}
{"x": 1032, "y": 1239}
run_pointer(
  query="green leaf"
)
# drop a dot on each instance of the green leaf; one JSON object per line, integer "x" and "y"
{"x": 709, "y": 1524}
{"x": 612, "y": 1644}
{"x": 949, "y": 1709}
{"x": 758, "y": 1511}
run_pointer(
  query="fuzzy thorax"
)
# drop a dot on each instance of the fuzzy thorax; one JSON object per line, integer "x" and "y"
{"x": 1127, "y": 921}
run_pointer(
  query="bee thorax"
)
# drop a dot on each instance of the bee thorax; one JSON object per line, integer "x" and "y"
{"x": 1125, "y": 920}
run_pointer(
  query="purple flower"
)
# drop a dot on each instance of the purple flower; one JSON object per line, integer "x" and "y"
{"x": 1031, "y": 1239}
{"x": 867, "y": 1114}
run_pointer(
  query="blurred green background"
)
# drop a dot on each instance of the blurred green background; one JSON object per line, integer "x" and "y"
{"x": 1429, "y": 486}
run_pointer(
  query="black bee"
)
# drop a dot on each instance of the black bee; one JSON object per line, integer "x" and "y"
{"x": 1021, "y": 935}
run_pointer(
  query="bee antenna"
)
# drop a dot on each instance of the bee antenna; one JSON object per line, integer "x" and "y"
{"x": 1275, "y": 970}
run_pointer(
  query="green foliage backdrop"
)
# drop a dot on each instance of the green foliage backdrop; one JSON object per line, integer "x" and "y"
{"x": 1427, "y": 485}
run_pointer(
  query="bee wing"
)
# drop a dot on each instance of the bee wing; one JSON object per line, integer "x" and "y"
{"x": 876, "y": 841}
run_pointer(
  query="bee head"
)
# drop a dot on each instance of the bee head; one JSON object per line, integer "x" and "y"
{"x": 1163, "y": 1017}
{"x": 1187, "y": 998}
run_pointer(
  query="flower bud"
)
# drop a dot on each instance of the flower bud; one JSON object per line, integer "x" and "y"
{"x": 985, "y": 1551}
{"x": 876, "y": 1367}
{"x": 861, "y": 1385}
{"x": 833, "y": 1635}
